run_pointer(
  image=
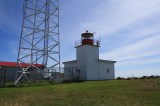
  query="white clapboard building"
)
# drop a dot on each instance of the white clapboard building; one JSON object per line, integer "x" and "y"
{"x": 88, "y": 66}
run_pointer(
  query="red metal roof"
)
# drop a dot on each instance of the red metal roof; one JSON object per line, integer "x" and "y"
{"x": 87, "y": 34}
{"x": 14, "y": 64}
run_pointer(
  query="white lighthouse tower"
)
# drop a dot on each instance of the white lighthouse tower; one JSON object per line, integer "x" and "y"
{"x": 88, "y": 66}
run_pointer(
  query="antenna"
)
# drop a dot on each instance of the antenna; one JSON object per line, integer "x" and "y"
{"x": 99, "y": 38}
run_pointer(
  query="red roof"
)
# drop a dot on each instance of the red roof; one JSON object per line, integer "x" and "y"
{"x": 87, "y": 34}
{"x": 14, "y": 64}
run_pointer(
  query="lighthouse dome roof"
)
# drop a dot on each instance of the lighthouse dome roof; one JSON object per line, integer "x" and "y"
{"x": 87, "y": 34}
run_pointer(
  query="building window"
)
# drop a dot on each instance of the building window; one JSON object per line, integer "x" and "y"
{"x": 107, "y": 70}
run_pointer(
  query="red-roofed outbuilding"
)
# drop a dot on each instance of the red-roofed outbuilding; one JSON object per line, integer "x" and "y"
{"x": 8, "y": 70}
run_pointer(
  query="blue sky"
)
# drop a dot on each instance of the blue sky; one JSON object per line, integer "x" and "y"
{"x": 129, "y": 31}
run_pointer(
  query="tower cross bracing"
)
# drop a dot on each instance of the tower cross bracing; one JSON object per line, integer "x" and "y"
{"x": 39, "y": 45}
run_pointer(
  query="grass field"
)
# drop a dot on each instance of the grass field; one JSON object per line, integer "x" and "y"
{"x": 90, "y": 93}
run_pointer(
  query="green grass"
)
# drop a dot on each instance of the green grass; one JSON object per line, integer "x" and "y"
{"x": 90, "y": 93}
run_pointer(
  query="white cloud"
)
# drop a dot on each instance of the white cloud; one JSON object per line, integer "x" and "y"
{"x": 140, "y": 62}
{"x": 118, "y": 15}
{"x": 142, "y": 48}
{"x": 148, "y": 30}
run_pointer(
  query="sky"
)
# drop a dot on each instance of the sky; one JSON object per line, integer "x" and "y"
{"x": 129, "y": 31}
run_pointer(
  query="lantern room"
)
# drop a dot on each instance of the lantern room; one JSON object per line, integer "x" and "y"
{"x": 87, "y": 38}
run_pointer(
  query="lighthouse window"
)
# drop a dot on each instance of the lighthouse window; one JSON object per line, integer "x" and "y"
{"x": 107, "y": 70}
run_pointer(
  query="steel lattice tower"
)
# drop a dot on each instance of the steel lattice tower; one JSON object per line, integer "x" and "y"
{"x": 39, "y": 40}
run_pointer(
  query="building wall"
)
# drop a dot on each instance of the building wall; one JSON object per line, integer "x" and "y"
{"x": 89, "y": 66}
{"x": 86, "y": 61}
{"x": 69, "y": 70}
{"x": 106, "y": 70}
{"x": 99, "y": 71}
{"x": 10, "y": 73}
{"x": 92, "y": 63}
{"x": 2, "y": 77}
{"x": 81, "y": 61}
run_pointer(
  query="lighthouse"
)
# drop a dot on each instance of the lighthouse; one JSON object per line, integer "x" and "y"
{"x": 87, "y": 65}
